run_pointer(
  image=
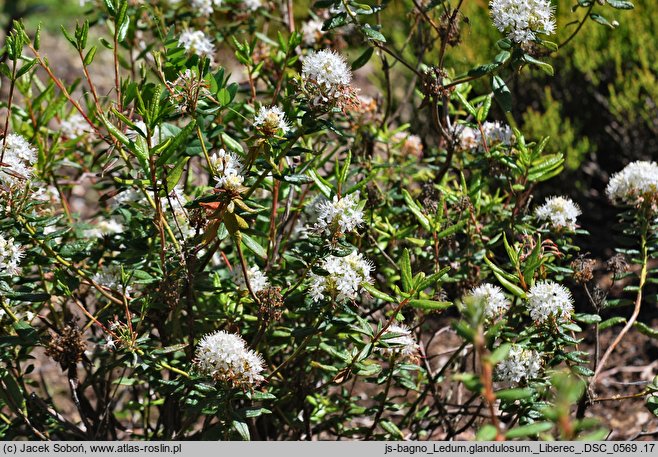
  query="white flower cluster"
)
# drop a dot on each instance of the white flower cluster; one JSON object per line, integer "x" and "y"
{"x": 252, "y": 5}
{"x": 225, "y": 357}
{"x": 344, "y": 279}
{"x": 75, "y": 126}
{"x": 492, "y": 299}
{"x": 559, "y": 212}
{"x": 20, "y": 156}
{"x": 410, "y": 145}
{"x": 549, "y": 300}
{"x": 312, "y": 31}
{"x": 228, "y": 169}
{"x": 326, "y": 77}
{"x": 399, "y": 341}
{"x": 11, "y": 254}
{"x": 205, "y": 7}
{"x": 105, "y": 227}
{"x": 110, "y": 277}
{"x": 519, "y": 364}
{"x": 522, "y": 20}
{"x": 257, "y": 279}
{"x": 339, "y": 215}
{"x": 271, "y": 120}
{"x": 197, "y": 42}
{"x": 494, "y": 133}
{"x": 634, "y": 184}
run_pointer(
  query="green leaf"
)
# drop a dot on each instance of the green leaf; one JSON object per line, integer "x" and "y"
{"x": 470, "y": 108}
{"x": 174, "y": 175}
{"x": 323, "y": 184}
{"x": 405, "y": 271}
{"x": 432, "y": 279}
{"x": 415, "y": 209}
{"x": 254, "y": 246}
{"x": 89, "y": 58}
{"x": 514, "y": 394}
{"x": 391, "y": 428}
{"x": 529, "y": 430}
{"x": 601, "y": 20}
{"x": 502, "y": 93}
{"x": 342, "y": 177}
{"x": 545, "y": 67}
{"x": 372, "y": 34}
{"x": 583, "y": 371}
{"x": 378, "y": 293}
{"x": 483, "y": 110}
{"x": 230, "y": 143}
{"x": 12, "y": 396}
{"x": 500, "y": 353}
{"x": 363, "y": 58}
{"x": 429, "y": 305}
{"x": 486, "y": 433}
{"x": 516, "y": 290}
{"x": 587, "y": 318}
{"x": 620, "y": 4}
{"x": 611, "y": 322}
{"x": 646, "y": 330}
{"x": 176, "y": 143}
{"x": 242, "y": 429}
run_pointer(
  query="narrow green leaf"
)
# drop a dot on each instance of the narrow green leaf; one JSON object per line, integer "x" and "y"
{"x": 405, "y": 270}
{"x": 429, "y": 305}
{"x": 378, "y": 293}
{"x": 529, "y": 430}
{"x": 254, "y": 246}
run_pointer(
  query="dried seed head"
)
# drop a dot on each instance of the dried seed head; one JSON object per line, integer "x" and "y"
{"x": 271, "y": 303}
{"x": 617, "y": 264}
{"x": 67, "y": 347}
{"x": 583, "y": 269}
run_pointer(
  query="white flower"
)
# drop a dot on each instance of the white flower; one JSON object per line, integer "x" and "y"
{"x": 399, "y": 341}
{"x": 492, "y": 298}
{"x": 519, "y": 364}
{"x": 494, "y": 133}
{"x": 105, "y": 227}
{"x": 197, "y": 42}
{"x": 205, "y": 7}
{"x": 635, "y": 183}
{"x": 344, "y": 279}
{"x": 75, "y": 126}
{"x": 522, "y": 20}
{"x": 469, "y": 138}
{"x": 20, "y": 156}
{"x": 257, "y": 279}
{"x": 110, "y": 277}
{"x": 271, "y": 120}
{"x": 559, "y": 212}
{"x": 252, "y": 5}
{"x": 326, "y": 77}
{"x": 549, "y": 300}
{"x": 497, "y": 133}
{"x": 11, "y": 254}
{"x": 409, "y": 144}
{"x": 110, "y": 343}
{"x": 339, "y": 215}
{"x": 127, "y": 197}
{"x": 326, "y": 68}
{"x": 312, "y": 31}
{"x": 46, "y": 193}
{"x": 225, "y": 357}
{"x": 228, "y": 170}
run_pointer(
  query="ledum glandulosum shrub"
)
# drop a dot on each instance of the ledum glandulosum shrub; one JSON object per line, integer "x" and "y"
{"x": 240, "y": 220}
